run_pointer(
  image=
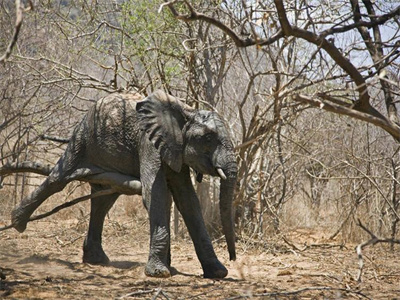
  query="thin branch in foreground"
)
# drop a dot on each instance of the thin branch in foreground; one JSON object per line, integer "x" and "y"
{"x": 157, "y": 291}
{"x": 57, "y": 139}
{"x": 306, "y": 289}
{"x": 137, "y": 293}
{"x": 372, "y": 241}
{"x": 65, "y": 205}
{"x": 18, "y": 23}
{"x": 25, "y": 166}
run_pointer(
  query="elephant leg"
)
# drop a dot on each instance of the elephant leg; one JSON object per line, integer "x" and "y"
{"x": 20, "y": 215}
{"x": 158, "y": 203}
{"x": 93, "y": 252}
{"x": 66, "y": 170}
{"x": 188, "y": 205}
{"x": 168, "y": 212}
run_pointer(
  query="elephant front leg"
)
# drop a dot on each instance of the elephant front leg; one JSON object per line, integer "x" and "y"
{"x": 159, "y": 259}
{"x": 189, "y": 206}
{"x": 157, "y": 200}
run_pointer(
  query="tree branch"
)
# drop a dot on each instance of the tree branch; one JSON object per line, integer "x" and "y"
{"x": 239, "y": 42}
{"x": 378, "y": 120}
{"x": 335, "y": 54}
{"x": 372, "y": 241}
{"x": 65, "y": 205}
{"x": 57, "y": 139}
{"x": 26, "y": 166}
{"x": 121, "y": 183}
{"x": 302, "y": 290}
{"x": 363, "y": 104}
{"x": 18, "y": 23}
{"x": 376, "y": 21}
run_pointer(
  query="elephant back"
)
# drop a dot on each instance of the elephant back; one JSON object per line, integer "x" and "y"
{"x": 112, "y": 133}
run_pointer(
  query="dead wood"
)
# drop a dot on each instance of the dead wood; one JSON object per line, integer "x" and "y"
{"x": 307, "y": 289}
{"x": 26, "y": 166}
{"x": 157, "y": 291}
{"x": 19, "y": 7}
{"x": 65, "y": 205}
{"x": 54, "y": 138}
{"x": 322, "y": 246}
{"x": 372, "y": 241}
{"x": 121, "y": 184}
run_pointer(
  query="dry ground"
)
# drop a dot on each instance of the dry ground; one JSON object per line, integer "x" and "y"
{"x": 45, "y": 263}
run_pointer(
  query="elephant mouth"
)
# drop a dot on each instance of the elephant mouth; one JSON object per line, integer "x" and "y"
{"x": 218, "y": 171}
{"x": 221, "y": 173}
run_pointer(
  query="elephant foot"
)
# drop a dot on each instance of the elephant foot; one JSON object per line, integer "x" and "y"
{"x": 214, "y": 270}
{"x": 155, "y": 268}
{"x": 95, "y": 256}
{"x": 19, "y": 219}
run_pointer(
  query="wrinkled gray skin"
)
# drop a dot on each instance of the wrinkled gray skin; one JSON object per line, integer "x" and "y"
{"x": 156, "y": 141}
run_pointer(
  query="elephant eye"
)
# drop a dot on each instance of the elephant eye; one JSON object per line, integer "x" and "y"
{"x": 208, "y": 136}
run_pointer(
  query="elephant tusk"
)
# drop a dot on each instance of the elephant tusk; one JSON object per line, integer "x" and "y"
{"x": 221, "y": 173}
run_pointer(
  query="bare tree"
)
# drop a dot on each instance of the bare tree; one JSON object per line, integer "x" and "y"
{"x": 261, "y": 64}
{"x": 310, "y": 23}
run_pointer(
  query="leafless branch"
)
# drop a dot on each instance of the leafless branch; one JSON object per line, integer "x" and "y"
{"x": 26, "y": 166}
{"x": 157, "y": 292}
{"x": 18, "y": 23}
{"x": 372, "y": 241}
{"x": 378, "y": 120}
{"x": 194, "y": 15}
{"x": 379, "y": 20}
{"x": 65, "y": 205}
{"x": 306, "y": 289}
{"x": 331, "y": 49}
{"x": 121, "y": 183}
{"x": 57, "y": 139}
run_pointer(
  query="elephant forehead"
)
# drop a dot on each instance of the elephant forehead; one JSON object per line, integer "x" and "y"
{"x": 210, "y": 120}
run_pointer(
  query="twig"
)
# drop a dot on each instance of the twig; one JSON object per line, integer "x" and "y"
{"x": 57, "y": 139}
{"x": 204, "y": 293}
{"x": 372, "y": 241}
{"x": 166, "y": 4}
{"x": 19, "y": 7}
{"x": 159, "y": 291}
{"x": 353, "y": 208}
{"x": 307, "y": 289}
{"x": 137, "y": 293}
{"x": 295, "y": 248}
{"x": 324, "y": 246}
{"x": 65, "y": 205}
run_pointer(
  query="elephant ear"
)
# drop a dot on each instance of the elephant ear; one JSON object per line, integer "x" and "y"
{"x": 162, "y": 117}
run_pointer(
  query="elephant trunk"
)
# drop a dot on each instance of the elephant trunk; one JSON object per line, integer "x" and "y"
{"x": 228, "y": 173}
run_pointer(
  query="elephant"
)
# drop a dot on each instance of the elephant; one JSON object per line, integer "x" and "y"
{"x": 135, "y": 144}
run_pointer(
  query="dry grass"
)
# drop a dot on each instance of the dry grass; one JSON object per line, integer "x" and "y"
{"x": 45, "y": 263}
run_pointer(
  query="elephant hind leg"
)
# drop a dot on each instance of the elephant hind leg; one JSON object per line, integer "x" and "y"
{"x": 20, "y": 215}
{"x": 93, "y": 252}
{"x": 59, "y": 177}
{"x": 63, "y": 172}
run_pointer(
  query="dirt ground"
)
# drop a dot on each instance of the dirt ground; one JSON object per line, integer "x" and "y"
{"x": 45, "y": 263}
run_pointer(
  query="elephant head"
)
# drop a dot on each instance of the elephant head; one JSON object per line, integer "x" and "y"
{"x": 197, "y": 138}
